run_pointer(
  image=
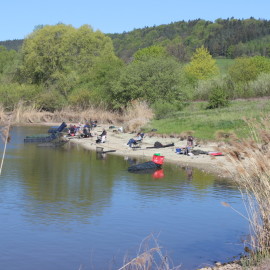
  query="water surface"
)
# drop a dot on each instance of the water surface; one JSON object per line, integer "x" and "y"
{"x": 66, "y": 208}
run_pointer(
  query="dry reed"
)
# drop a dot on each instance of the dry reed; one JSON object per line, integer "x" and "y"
{"x": 131, "y": 118}
{"x": 250, "y": 158}
{"x": 4, "y": 132}
{"x": 149, "y": 258}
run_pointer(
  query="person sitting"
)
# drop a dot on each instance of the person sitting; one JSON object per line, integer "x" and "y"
{"x": 135, "y": 140}
{"x": 102, "y": 137}
{"x": 93, "y": 124}
{"x": 86, "y": 133}
{"x": 72, "y": 130}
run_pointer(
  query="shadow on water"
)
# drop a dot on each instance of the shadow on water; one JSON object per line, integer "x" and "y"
{"x": 74, "y": 206}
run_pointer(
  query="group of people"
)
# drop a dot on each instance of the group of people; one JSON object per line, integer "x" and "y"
{"x": 80, "y": 130}
{"x": 84, "y": 131}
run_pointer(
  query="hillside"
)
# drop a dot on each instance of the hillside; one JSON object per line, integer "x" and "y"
{"x": 15, "y": 44}
{"x": 228, "y": 38}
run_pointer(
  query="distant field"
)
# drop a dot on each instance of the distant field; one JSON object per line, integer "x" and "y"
{"x": 207, "y": 123}
{"x": 224, "y": 64}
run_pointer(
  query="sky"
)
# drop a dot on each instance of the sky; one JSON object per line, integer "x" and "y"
{"x": 18, "y": 18}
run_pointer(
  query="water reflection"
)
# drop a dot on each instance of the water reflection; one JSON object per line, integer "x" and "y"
{"x": 189, "y": 172}
{"x": 100, "y": 155}
{"x": 158, "y": 174}
{"x": 76, "y": 201}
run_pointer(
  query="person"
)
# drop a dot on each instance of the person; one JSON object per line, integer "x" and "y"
{"x": 102, "y": 137}
{"x": 134, "y": 140}
{"x": 190, "y": 140}
{"x": 72, "y": 130}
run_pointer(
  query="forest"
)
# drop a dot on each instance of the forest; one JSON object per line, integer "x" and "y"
{"x": 168, "y": 66}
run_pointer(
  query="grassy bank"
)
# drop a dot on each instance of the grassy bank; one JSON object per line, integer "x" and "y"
{"x": 212, "y": 124}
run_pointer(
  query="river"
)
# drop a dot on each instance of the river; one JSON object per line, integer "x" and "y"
{"x": 69, "y": 208}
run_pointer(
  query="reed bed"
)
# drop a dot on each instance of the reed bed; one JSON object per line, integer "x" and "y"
{"x": 250, "y": 158}
{"x": 132, "y": 118}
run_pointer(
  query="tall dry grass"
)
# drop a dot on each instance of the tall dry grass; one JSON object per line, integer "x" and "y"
{"x": 251, "y": 159}
{"x": 4, "y": 134}
{"x": 149, "y": 258}
{"x": 132, "y": 118}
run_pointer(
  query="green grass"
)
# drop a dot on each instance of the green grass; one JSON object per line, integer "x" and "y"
{"x": 205, "y": 123}
{"x": 224, "y": 64}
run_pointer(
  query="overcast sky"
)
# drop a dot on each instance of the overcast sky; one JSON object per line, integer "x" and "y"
{"x": 19, "y": 17}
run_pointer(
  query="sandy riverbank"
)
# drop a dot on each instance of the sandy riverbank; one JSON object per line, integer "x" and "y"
{"x": 118, "y": 141}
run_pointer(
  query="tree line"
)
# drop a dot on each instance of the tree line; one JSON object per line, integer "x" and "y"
{"x": 59, "y": 66}
{"x": 230, "y": 38}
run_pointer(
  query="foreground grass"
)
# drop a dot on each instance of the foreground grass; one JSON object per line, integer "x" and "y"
{"x": 209, "y": 124}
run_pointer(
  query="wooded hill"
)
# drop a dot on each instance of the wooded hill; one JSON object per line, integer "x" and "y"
{"x": 228, "y": 38}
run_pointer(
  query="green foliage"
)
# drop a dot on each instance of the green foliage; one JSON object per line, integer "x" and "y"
{"x": 151, "y": 80}
{"x": 248, "y": 68}
{"x": 202, "y": 65}
{"x": 61, "y": 49}
{"x": 6, "y": 58}
{"x": 12, "y": 94}
{"x": 80, "y": 98}
{"x": 150, "y": 52}
{"x": 224, "y": 64}
{"x": 205, "y": 88}
{"x": 225, "y": 37}
{"x": 50, "y": 101}
{"x": 165, "y": 109}
{"x": 261, "y": 86}
{"x": 218, "y": 98}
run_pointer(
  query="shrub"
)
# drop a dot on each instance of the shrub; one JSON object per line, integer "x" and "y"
{"x": 218, "y": 98}
{"x": 12, "y": 94}
{"x": 51, "y": 101}
{"x": 165, "y": 109}
{"x": 205, "y": 88}
{"x": 261, "y": 86}
{"x": 80, "y": 98}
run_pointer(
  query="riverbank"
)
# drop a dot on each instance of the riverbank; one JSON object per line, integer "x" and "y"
{"x": 117, "y": 141}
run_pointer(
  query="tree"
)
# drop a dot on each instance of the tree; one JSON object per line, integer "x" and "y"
{"x": 202, "y": 65}
{"x": 247, "y": 69}
{"x": 61, "y": 49}
{"x": 6, "y": 58}
{"x": 149, "y": 52}
{"x": 151, "y": 80}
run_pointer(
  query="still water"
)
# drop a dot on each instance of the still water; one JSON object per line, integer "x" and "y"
{"x": 67, "y": 208}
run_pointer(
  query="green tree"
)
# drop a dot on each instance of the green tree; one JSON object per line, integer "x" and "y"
{"x": 6, "y": 58}
{"x": 149, "y": 52}
{"x": 247, "y": 69}
{"x": 151, "y": 80}
{"x": 61, "y": 49}
{"x": 202, "y": 65}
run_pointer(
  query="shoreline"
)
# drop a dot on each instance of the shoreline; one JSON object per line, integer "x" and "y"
{"x": 117, "y": 141}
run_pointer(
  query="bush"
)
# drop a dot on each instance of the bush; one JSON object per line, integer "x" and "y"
{"x": 205, "y": 88}
{"x": 12, "y": 94}
{"x": 51, "y": 101}
{"x": 218, "y": 98}
{"x": 165, "y": 109}
{"x": 261, "y": 86}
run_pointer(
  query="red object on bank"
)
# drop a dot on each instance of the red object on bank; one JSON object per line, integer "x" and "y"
{"x": 158, "y": 159}
{"x": 215, "y": 154}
